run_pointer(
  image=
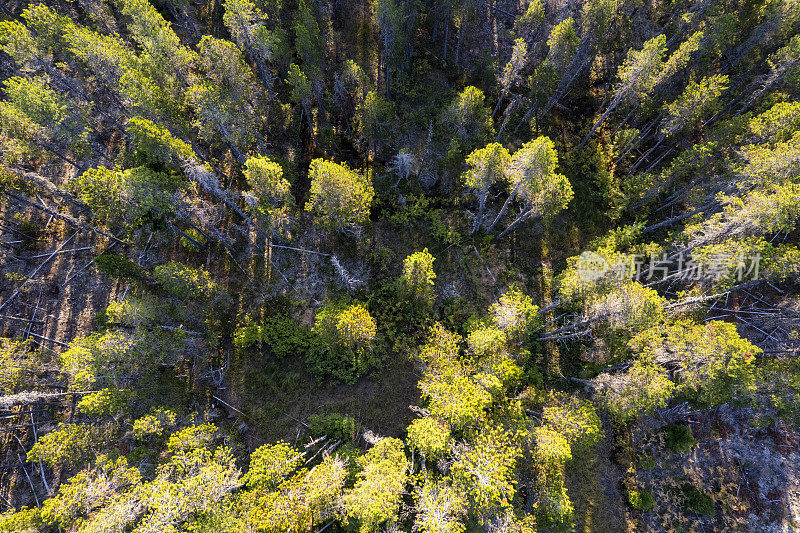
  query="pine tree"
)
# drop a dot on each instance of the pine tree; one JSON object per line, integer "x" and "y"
{"x": 339, "y": 198}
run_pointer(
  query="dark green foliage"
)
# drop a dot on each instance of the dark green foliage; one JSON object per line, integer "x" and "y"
{"x": 697, "y": 501}
{"x": 641, "y": 500}
{"x": 120, "y": 267}
{"x": 335, "y": 426}
{"x": 678, "y": 438}
{"x": 283, "y": 336}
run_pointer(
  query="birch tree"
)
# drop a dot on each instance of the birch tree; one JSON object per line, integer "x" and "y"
{"x": 485, "y": 168}
{"x": 638, "y": 75}
{"x": 534, "y": 181}
{"x": 510, "y": 74}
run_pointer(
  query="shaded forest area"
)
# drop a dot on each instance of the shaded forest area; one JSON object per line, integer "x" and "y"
{"x": 399, "y": 265}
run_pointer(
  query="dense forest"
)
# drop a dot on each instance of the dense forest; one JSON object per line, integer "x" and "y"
{"x": 399, "y": 265}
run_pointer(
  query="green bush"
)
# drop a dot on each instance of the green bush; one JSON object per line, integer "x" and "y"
{"x": 679, "y": 438}
{"x": 335, "y": 426}
{"x": 641, "y": 500}
{"x": 697, "y": 501}
{"x": 646, "y": 462}
{"x": 119, "y": 266}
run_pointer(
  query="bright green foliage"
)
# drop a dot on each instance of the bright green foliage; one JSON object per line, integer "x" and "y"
{"x": 88, "y": 490}
{"x": 126, "y": 198}
{"x": 67, "y": 445}
{"x": 348, "y": 331}
{"x": 303, "y": 501}
{"x": 551, "y": 451}
{"x": 469, "y": 118}
{"x": 681, "y": 57}
{"x": 625, "y": 311}
{"x": 440, "y": 508}
{"x": 716, "y": 364}
{"x": 533, "y": 180}
{"x": 598, "y": 15}
{"x": 17, "y": 365}
{"x": 429, "y": 436}
{"x": 641, "y": 68}
{"x": 16, "y": 40}
{"x": 156, "y": 423}
{"x": 562, "y": 43}
{"x": 375, "y": 498}
{"x": 116, "y": 357}
{"x": 532, "y": 172}
{"x": 302, "y": 90}
{"x": 157, "y": 140}
{"x": 334, "y": 425}
{"x": 418, "y": 274}
{"x": 486, "y": 342}
{"x": 485, "y": 472}
{"x": 283, "y": 510}
{"x": 183, "y": 281}
{"x": 247, "y": 25}
{"x": 191, "y": 482}
{"x": 271, "y": 190}
{"x": 485, "y": 168}
{"x": 697, "y": 101}
{"x": 340, "y": 198}
{"x": 109, "y": 60}
{"x": 23, "y": 520}
{"x": 161, "y": 48}
{"x": 640, "y": 391}
{"x": 350, "y": 327}
{"x": 515, "y": 314}
{"x": 440, "y": 353}
{"x": 191, "y": 438}
{"x": 575, "y": 419}
{"x": 505, "y": 369}
{"x": 459, "y": 400}
{"x": 552, "y": 448}
{"x": 34, "y": 116}
{"x": 105, "y": 403}
{"x": 135, "y": 312}
{"x": 778, "y": 124}
{"x": 223, "y": 98}
{"x": 641, "y": 500}
{"x": 265, "y": 178}
{"x": 47, "y": 24}
{"x": 323, "y": 487}
{"x": 270, "y": 464}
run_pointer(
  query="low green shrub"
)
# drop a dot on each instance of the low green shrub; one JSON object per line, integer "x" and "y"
{"x": 119, "y": 267}
{"x": 641, "y": 500}
{"x": 697, "y": 501}
{"x": 679, "y": 438}
{"x": 335, "y": 426}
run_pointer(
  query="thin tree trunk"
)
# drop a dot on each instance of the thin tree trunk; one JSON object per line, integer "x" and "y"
{"x": 597, "y": 124}
{"x": 505, "y": 207}
{"x": 521, "y": 218}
